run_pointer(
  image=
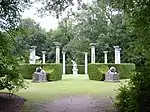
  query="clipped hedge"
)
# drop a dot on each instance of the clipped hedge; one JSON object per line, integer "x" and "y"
{"x": 54, "y": 70}
{"x": 81, "y": 69}
{"x": 97, "y": 71}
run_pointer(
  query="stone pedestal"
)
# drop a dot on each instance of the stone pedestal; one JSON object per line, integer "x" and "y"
{"x": 64, "y": 66}
{"x": 93, "y": 52}
{"x": 105, "y": 56}
{"x": 86, "y": 63}
{"x": 75, "y": 71}
{"x": 39, "y": 77}
{"x": 43, "y": 52}
{"x": 117, "y": 54}
{"x": 32, "y": 59}
{"x": 112, "y": 75}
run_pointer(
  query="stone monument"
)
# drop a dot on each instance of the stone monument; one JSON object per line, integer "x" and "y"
{"x": 117, "y": 54}
{"x": 43, "y": 53}
{"x": 32, "y": 55}
{"x": 93, "y": 52}
{"x": 75, "y": 70}
{"x": 39, "y": 75}
{"x": 111, "y": 75}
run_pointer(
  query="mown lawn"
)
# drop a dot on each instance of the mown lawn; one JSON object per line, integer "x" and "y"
{"x": 70, "y": 85}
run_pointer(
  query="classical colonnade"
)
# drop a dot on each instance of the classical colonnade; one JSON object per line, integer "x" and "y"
{"x": 117, "y": 56}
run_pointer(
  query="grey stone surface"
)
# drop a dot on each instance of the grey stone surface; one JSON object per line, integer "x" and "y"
{"x": 39, "y": 75}
{"x": 112, "y": 75}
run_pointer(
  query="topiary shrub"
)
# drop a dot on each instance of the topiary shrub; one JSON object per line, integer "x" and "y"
{"x": 97, "y": 71}
{"x": 27, "y": 70}
{"x": 53, "y": 70}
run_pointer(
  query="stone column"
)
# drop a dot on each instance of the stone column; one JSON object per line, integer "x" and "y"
{"x": 93, "y": 52}
{"x": 32, "y": 55}
{"x": 57, "y": 53}
{"x": 64, "y": 66}
{"x": 105, "y": 56}
{"x": 43, "y": 52}
{"x": 117, "y": 54}
{"x": 86, "y": 63}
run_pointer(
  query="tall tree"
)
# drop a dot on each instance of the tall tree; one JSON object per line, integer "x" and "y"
{"x": 137, "y": 17}
{"x": 10, "y": 12}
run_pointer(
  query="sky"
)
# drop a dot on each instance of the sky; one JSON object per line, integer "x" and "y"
{"x": 48, "y": 22}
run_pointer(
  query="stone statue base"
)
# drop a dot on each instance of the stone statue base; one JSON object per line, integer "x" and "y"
{"x": 39, "y": 77}
{"x": 75, "y": 71}
{"x": 112, "y": 75}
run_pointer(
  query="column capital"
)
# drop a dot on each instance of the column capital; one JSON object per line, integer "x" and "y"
{"x": 33, "y": 47}
{"x": 117, "y": 48}
{"x": 63, "y": 52}
{"x": 57, "y": 44}
{"x": 43, "y": 52}
{"x": 105, "y": 52}
{"x": 85, "y": 53}
{"x": 92, "y": 44}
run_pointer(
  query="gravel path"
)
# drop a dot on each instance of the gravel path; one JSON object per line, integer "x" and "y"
{"x": 77, "y": 104}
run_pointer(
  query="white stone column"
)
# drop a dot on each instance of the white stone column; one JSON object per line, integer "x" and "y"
{"x": 105, "y": 56}
{"x": 57, "y": 53}
{"x": 64, "y": 63}
{"x": 43, "y": 53}
{"x": 117, "y": 54}
{"x": 86, "y": 63}
{"x": 32, "y": 55}
{"x": 93, "y": 52}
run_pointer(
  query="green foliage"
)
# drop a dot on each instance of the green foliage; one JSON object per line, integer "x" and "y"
{"x": 13, "y": 85}
{"x": 135, "y": 96}
{"x": 125, "y": 70}
{"x": 81, "y": 69}
{"x": 27, "y": 70}
{"x": 10, "y": 78}
{"x": 10, "y": 12}
{"x": 27, "y": 34}
{"x": 56, "y": 7}
{"x": 126, "y": 99}
{"x": 98, "y": 70}
{"x": 137, "y": 18}
{"x": 54, "y": 70}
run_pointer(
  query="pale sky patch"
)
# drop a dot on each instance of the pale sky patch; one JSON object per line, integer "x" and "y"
{"x": 48, "y": 22}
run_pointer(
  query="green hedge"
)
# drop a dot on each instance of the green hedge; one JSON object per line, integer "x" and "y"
{"x": 97, "y": 71}
{"x": 80, "y": 69}
{"x": 54, "y": 70}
